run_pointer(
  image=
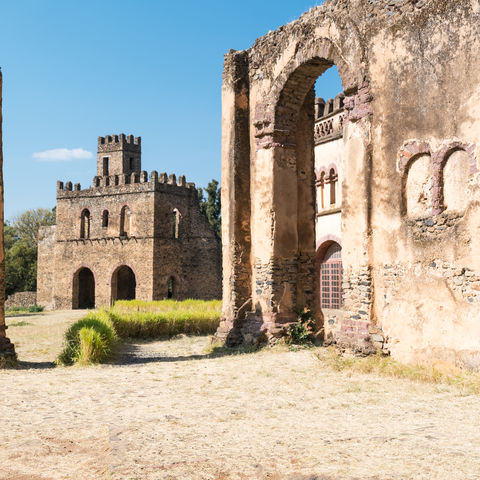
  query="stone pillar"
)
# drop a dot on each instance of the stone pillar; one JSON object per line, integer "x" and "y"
{"x": 7, "y": 350}
{"x": 235, "y": 197}
{"x": 306, "y": 290}
{"x": 358, "y": 287}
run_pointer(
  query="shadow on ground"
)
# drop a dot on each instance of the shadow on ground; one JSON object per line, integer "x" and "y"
{"x": 138, "y": 353}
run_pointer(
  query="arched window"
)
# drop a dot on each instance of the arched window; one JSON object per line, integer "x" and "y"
{"x": 456, "y": 173}
{"x": 176, "y": 223}
{"x": 125, "y": 221}
{"x": 418, "y": 187}
{"x": 170, "y": 287}
{"x": 333, "y": 187}
{"x": 322, "y": 191}
{"x": 85, "y": 224}
{"x": 331, "y": 271}
{"x": 105, "y": 219}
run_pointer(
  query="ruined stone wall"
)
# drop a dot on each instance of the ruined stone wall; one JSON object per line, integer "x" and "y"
{"x": 21, "y": 300}
{"x": 411, "y": 75}
{"x": 46, "y": 266}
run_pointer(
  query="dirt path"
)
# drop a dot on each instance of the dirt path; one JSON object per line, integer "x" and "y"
{"x": 172, "y": 413}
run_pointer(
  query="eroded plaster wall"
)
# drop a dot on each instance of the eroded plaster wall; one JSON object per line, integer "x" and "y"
{"x": 411, "y": 75}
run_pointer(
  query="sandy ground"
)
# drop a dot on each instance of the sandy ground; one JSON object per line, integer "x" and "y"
{"x": 168, "y": 411}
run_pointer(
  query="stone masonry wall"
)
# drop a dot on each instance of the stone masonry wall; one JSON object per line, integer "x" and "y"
{"x": 21, "y": 300}
{"x": 151, "y": 247}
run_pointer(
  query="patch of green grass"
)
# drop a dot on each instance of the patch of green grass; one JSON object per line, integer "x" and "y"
{"x": 89, "y": 340}
{"x": 23, "y": 310}
{"x": 21, "y": 323}
{"x": 385, "y": 366}
{"x": 165, "y": 318}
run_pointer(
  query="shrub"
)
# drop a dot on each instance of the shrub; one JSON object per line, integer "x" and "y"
{"x": 36, "y": 308}
{"x": 301, "y": 332}
{"x": 89, "y": 340}
{"x": 166, "y": 318}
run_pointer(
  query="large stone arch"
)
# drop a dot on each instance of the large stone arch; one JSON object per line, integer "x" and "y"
{"x": 269, "y": 240}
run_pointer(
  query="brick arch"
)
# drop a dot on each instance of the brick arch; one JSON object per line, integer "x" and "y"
{"x": 276, "y": 116}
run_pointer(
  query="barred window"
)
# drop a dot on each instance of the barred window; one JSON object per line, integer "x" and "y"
{"x": 331, "y": 272}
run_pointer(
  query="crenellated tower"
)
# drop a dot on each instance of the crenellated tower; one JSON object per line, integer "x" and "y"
{"x": 119, "y": 155}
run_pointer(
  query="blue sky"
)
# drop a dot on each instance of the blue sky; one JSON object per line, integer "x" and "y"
{"x": 74, "y": 70}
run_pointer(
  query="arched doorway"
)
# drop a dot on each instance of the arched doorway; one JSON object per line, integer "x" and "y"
{"x": 331, "y": 271}
{"x": 123, "y": 284}
{"x": 83, "y": 289}
{"x": 270, "y": 242}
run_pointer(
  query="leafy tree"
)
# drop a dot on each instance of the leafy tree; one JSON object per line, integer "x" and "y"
{"x": 211, "y": 206}
{"x": 28, "y": 223}
{"x": 21, "y": 241}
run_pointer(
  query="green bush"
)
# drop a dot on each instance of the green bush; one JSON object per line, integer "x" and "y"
{"x": 89, "y": 340}
{"x": 302, "y": 332}
{"x": 166, "y": 318}
{"x": 36, "y": 308}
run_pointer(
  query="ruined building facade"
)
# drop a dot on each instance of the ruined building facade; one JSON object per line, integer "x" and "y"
{"x": 410, "y": 181}
{"x": 130, "y": 235}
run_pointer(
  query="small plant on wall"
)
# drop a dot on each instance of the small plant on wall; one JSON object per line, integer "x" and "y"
{"x": 302, "y": 332}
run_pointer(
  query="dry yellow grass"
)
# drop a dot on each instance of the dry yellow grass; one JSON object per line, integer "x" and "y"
{"x": 176, "y": 413}
{"x": 467, "y": 382}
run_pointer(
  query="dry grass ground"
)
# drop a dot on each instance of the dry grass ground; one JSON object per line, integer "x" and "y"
{"x": 168, "y": 411}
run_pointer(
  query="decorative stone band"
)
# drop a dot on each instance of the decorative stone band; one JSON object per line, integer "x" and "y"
{"x": 329, "y": 128}
{"x": 412, "y": 149}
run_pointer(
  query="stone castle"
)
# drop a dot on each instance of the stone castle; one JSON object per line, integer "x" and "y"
{"x": 396, "y": 269}
{"x": 131, "y": 235}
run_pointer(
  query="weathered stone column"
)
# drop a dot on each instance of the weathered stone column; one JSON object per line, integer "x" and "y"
{"x": 306, "y": 291}
{"x": 358, "y": 288}
{"x": 7, "y": 350}
{"x": 235, "y": 197}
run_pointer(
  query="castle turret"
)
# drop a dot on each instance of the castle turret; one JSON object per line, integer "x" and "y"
{"x": 118, "y": 155}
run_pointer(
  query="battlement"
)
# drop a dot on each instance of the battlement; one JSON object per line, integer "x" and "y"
{"x": 330, "y": 107}
{"x": 127, "y": 182}
{"x": 113, "y": 143}
{"x": 329, "y": 119}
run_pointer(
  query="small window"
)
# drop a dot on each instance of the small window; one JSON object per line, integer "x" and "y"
{"x": 171, "y": 287}
{"x": 105, "y": 167}
{"x": 125, "y": 222}
{"x": 322, "y": 191}
{"x": 333, "y": 187}
{"x": 132, "y": 164}
{"x": 105, "y": 219}
{"x": 176, "y": 223}
{"x": 85, "y": 224}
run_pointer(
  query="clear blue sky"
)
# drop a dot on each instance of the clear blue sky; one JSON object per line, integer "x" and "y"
{"x": 74, "y": 70}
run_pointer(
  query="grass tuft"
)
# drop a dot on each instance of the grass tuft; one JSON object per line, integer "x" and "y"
{"x": 385, "y": 366}
{"x": 21, "y": 323}
{"x": 24, "y": 310}
{"x": 89, "y": 340}
{"x": 165, "y": 318}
